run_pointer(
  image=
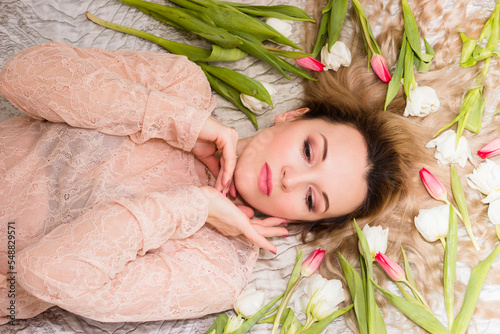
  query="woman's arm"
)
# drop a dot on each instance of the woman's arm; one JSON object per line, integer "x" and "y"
{"x": 101, "y": 264}
{"x": 141, "y": 94}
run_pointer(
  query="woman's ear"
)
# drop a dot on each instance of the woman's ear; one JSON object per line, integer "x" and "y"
{"x": 290, "y": 115}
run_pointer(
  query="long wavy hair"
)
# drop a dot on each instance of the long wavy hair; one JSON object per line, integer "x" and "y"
{"x": 396, "y": 144}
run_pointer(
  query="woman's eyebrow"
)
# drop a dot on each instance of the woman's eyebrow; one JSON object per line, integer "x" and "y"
{"x": 325, "y": 147}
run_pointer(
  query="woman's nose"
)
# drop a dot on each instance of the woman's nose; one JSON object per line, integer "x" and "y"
{"x": 290, "y": 178}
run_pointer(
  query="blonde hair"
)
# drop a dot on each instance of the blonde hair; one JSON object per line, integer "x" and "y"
{"x": 357, "y": 89}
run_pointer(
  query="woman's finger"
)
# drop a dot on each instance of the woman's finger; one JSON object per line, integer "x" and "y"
{"x": 270, "y": 221}
{"x": 248, "y": 211}
{"x": 227, "y": 145}
{"x": 254, "y": 236}
{"x": 269, "y": 232}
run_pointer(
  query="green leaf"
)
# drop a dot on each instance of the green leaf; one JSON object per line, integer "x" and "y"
{"x": 473, "y": 122}
{"x": 370, "y": 296}
{"x": 254, "y": 47}
{"x": 250, "y": 322}
{"x": 188, "y": 20}
{"x": 367, "y": 34}
{"x": 468, "y": 45}
{"x": 232, "y": 95}
{"x": 458, "y": 194}
{"x": 423, "y": 66}
{"x": 415, "y": 312}
{"x": 395, "y": 83}
{"x": 337, "y": 17}
{"x": 322, "y": 324}
{"x": 240, "y": 82}
{"x": 287, "y": 54}
{"x": 322, "y": 34}
{"x": 284, "y": 12}
{"x": 357, "y": 290}
{"x": 412, "y": 33}
{"x": 408, "y": 70}
{"x": 290, "y": 319}
{"x": 450, "y": 264}
{"x": 474, "y": 287}
{"x": 218, "y": 325}
{"x": 270, "y": 319}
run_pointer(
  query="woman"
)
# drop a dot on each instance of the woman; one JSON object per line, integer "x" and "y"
{"x": 117, "y": 216}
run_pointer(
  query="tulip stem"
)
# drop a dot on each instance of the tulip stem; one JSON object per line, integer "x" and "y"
{"x": 456, "y": 210}
{"x": 284, "y": 303}
{"x": 443, "y": 242}
{"x": 497, "y": 228}
{"x": 309, "y": 322}
{"x": 365, "y": 32}
{"x": 415, "y": 291}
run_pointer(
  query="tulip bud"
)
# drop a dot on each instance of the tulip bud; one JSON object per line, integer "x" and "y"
{"x": 338, "y": 55}
{"x": 233, "y": 324}
{"x": 257, "y": 106}
{"x": 281, "y": 26}
{"x": 433, "y": 223}
{"x": 311, "y": 264}
{"x": 379, "y": 66}
{"x": 434, "y": 187}
{"x": 310, "y": 63}
{"x": 392, "y": 269}
{"x": 249, "y": 302}
{"x": 490, "y": 150}
{"x": 377, "y": 239}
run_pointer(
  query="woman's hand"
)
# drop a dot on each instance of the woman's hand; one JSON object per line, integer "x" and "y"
{"x": 232, "y": 220}
{"x": 216, "y": 136}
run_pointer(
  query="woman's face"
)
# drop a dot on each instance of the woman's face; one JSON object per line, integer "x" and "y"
{"x": 303, "y": 170}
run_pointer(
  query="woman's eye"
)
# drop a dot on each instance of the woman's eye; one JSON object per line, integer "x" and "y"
{"x": 309, "y": 200}
{"x": 306, "y": 150}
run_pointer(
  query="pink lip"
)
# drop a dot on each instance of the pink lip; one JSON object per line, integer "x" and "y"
{"x": 266, "y": 180}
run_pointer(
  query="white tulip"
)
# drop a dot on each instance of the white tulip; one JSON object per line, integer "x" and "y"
{"x": 433, "y": 223}
{"x": 249, "y": 302}
{"x": 486, "y": 179}
{"x": 324, "y": 296}
{"x": 254, "y": 104}
{"x": 339, "y": 55}
{"x": 233, "y": 323}
{"x": 445, "y": 149}
{"x": 377, "y": 238}
{"x": 494, "y": 212}
{"x": 422, "y": 101}
{"x": 281, "y": 26}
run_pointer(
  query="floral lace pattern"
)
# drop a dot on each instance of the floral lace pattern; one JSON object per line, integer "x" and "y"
{"x": 110, "y": 222}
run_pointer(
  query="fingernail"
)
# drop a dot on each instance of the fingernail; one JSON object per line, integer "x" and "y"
{"x": 273, "y": 252}
{"x": 284, "y": 223}
{"x": 227, "y": 184}
{"x": 226, "y": 194}
{"x": 285, "y": 235}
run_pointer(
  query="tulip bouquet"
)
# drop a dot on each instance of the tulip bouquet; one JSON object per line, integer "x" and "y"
{"x": 471, "y": 111}
{"x": 420, "y": 100}
{"x": 321, "y": 309}
{"x": 234, "y": 31}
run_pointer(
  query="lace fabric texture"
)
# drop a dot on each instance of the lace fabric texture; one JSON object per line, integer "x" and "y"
{"x": 104, "y": 197}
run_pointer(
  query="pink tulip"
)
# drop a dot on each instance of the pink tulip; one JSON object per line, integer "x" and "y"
{"x": 311, "y": 264}
{"x": 490, "y": 150}
{"x": 310, "y": 63}
{"x": 379, "y": 66}
{"x": 434, "y": 187}
{"x": 392, "y": 269}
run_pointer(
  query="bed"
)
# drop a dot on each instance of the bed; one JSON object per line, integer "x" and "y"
{"x": 24, "y": 23}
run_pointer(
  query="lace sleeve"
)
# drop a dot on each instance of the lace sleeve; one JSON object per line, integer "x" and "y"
{"x": 141, "y": 94}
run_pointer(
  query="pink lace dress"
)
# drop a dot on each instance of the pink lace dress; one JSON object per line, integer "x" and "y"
{"x": 102, "y": 192}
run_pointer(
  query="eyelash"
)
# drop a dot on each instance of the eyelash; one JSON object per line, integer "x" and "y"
{"x": 309, "y": 200}
{"x": 306, "y": 153}
{"x": 306, "y": 150}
